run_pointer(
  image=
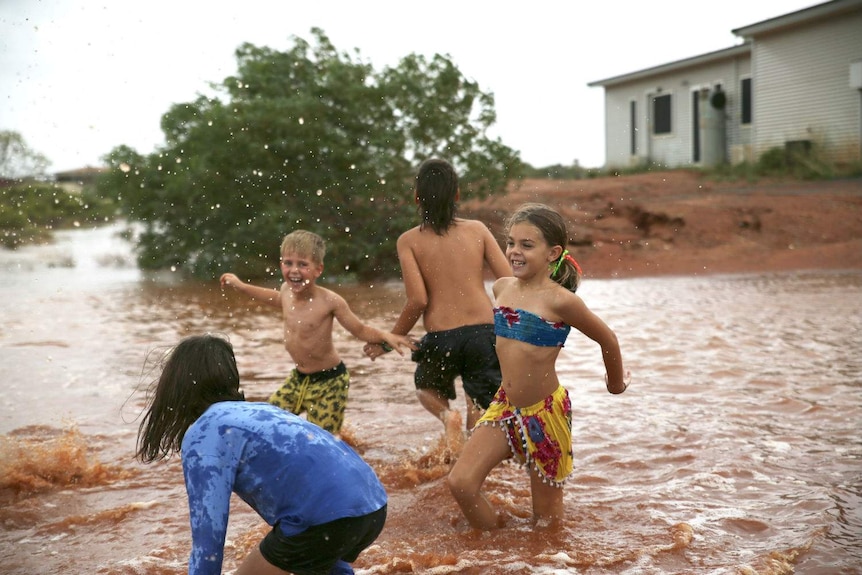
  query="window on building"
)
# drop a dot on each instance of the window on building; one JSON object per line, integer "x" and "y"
{"x": 633, "y": 148}
{"x": 661, "y": 114}
{"x": 745, "y": 89}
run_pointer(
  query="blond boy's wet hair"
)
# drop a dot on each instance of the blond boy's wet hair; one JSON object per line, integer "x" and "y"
{"x": 306, "y": 244}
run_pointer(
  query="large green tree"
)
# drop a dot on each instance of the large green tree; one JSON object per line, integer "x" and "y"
{"x": 308, "y": 138}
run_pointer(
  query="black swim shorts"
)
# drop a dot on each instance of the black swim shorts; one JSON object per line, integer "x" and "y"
{"x": 469, "y": 352}
{"x": 317, "y": 549}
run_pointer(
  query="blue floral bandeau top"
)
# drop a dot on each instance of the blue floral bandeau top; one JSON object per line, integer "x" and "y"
{"x": 528, "y": 327}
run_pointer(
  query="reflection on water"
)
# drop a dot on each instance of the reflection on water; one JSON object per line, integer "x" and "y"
{"x": 736, "y": 450}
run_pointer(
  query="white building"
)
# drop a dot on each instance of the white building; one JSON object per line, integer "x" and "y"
{"x": 795, "y": 82}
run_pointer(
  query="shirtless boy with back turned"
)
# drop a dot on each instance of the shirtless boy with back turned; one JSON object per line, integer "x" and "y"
{"x": 442, "y": 266}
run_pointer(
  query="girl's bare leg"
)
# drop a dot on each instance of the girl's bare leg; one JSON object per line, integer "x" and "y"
{"x": 485, "y": 449}
{"x": 547, "y": 500}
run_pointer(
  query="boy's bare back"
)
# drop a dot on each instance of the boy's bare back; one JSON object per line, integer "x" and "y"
{"x": 449, "y": 269}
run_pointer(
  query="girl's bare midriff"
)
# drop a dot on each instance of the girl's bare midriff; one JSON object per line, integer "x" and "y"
{"x": 529, "y": 374}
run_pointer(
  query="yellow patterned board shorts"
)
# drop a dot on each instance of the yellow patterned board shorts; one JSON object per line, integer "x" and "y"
{"x": 322, "y": 395}
{"x": 539, "y": 435}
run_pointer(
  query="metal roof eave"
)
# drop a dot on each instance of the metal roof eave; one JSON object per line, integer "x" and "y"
{"x": 708, "y": 58}
{"x": 828, "y": 9}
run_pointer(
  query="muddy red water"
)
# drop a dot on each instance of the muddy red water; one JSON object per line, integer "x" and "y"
{"x": 736, "y": 450}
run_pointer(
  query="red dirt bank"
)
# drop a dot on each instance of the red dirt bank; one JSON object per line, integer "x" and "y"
{"x": 683, "y": 223}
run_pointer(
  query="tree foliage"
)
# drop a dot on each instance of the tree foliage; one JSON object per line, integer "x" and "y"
{"x": 30, "y": 211}
{"x": 308, "y": 138}
{"x": 17, "y": 160}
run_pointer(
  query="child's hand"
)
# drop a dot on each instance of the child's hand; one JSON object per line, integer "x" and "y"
{"x": 229, "y": 280}
{"x": 394, "y": 342}
{"x": 397, "y": 341}
{"x": 627, "y": 380}
{"x": 373, "y": 350}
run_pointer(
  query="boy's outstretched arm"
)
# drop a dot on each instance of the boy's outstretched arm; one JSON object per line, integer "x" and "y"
{"x": 269, "y": 296}
{"x": 349, "y": 321}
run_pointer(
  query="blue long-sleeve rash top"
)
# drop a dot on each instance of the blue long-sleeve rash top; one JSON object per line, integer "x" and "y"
{"x": 289, "y": 471}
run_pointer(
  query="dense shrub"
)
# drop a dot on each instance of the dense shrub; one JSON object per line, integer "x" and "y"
{"x": 29, "y": 211}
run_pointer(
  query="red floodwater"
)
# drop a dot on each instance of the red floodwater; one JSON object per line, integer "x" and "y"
{"x": 735, "y": 451}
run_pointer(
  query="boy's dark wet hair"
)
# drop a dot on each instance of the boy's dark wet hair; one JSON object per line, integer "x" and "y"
{"x": 437, "y": 192}
{"x": 199, "y": 371}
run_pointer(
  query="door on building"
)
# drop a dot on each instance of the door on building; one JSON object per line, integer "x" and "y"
{"x": 695, "y": 126}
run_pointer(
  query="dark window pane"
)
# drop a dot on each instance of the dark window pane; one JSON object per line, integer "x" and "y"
{"x": 745, "y": 117}
{"x": 661, "y": 114}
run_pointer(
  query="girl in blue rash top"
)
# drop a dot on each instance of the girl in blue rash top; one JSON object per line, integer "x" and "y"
{"x": 530, "y": 417}
{"x": 324, "y": 503}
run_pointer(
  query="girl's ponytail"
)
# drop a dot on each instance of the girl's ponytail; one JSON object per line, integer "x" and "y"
{"x": 567, "y": 272}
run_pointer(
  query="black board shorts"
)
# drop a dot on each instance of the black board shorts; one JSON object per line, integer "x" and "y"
{"x": 317, "y": 549}
{"x": 470, "y": 352}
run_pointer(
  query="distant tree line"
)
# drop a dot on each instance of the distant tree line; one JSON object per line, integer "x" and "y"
{"x": 32, "y": 206}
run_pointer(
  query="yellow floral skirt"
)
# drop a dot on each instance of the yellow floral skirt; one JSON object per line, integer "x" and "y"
{"x": 539, "y": 435}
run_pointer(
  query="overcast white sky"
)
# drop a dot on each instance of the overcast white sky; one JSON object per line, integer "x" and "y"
{"x": 78, "y": 77}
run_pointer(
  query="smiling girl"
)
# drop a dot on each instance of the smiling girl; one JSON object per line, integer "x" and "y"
{"x": 530, "y": 417}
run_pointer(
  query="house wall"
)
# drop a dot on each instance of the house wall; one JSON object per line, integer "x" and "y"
{"x": 802, "y": 87}
{"x": 676, "y": 148}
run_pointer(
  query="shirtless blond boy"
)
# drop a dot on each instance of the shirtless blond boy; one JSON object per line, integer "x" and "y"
{"x": 443, "y": 262}
{"x": 319, "y": 383}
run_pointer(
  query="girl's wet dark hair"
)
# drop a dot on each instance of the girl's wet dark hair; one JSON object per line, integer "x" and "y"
{"x": 199, "y": 371}
{"x": 553, "y": 229}
{"x": 437, "y": 191}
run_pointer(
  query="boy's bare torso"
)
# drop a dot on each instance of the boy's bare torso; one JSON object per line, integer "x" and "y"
{"x": 308, "y": 323}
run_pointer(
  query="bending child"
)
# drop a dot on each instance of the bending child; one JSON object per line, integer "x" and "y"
{"x": 319, "y": 383}
{"x": 442, "y": 266}
{"x": 530, "y": 417}
{"x": 324, "y": 503}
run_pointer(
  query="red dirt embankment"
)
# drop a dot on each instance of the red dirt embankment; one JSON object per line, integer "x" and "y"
{"x": 683, "y": 223}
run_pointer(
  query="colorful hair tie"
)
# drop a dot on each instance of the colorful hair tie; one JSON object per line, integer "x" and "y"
{"x": 574, "y": 263}
{"x": 566, "y": 256}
